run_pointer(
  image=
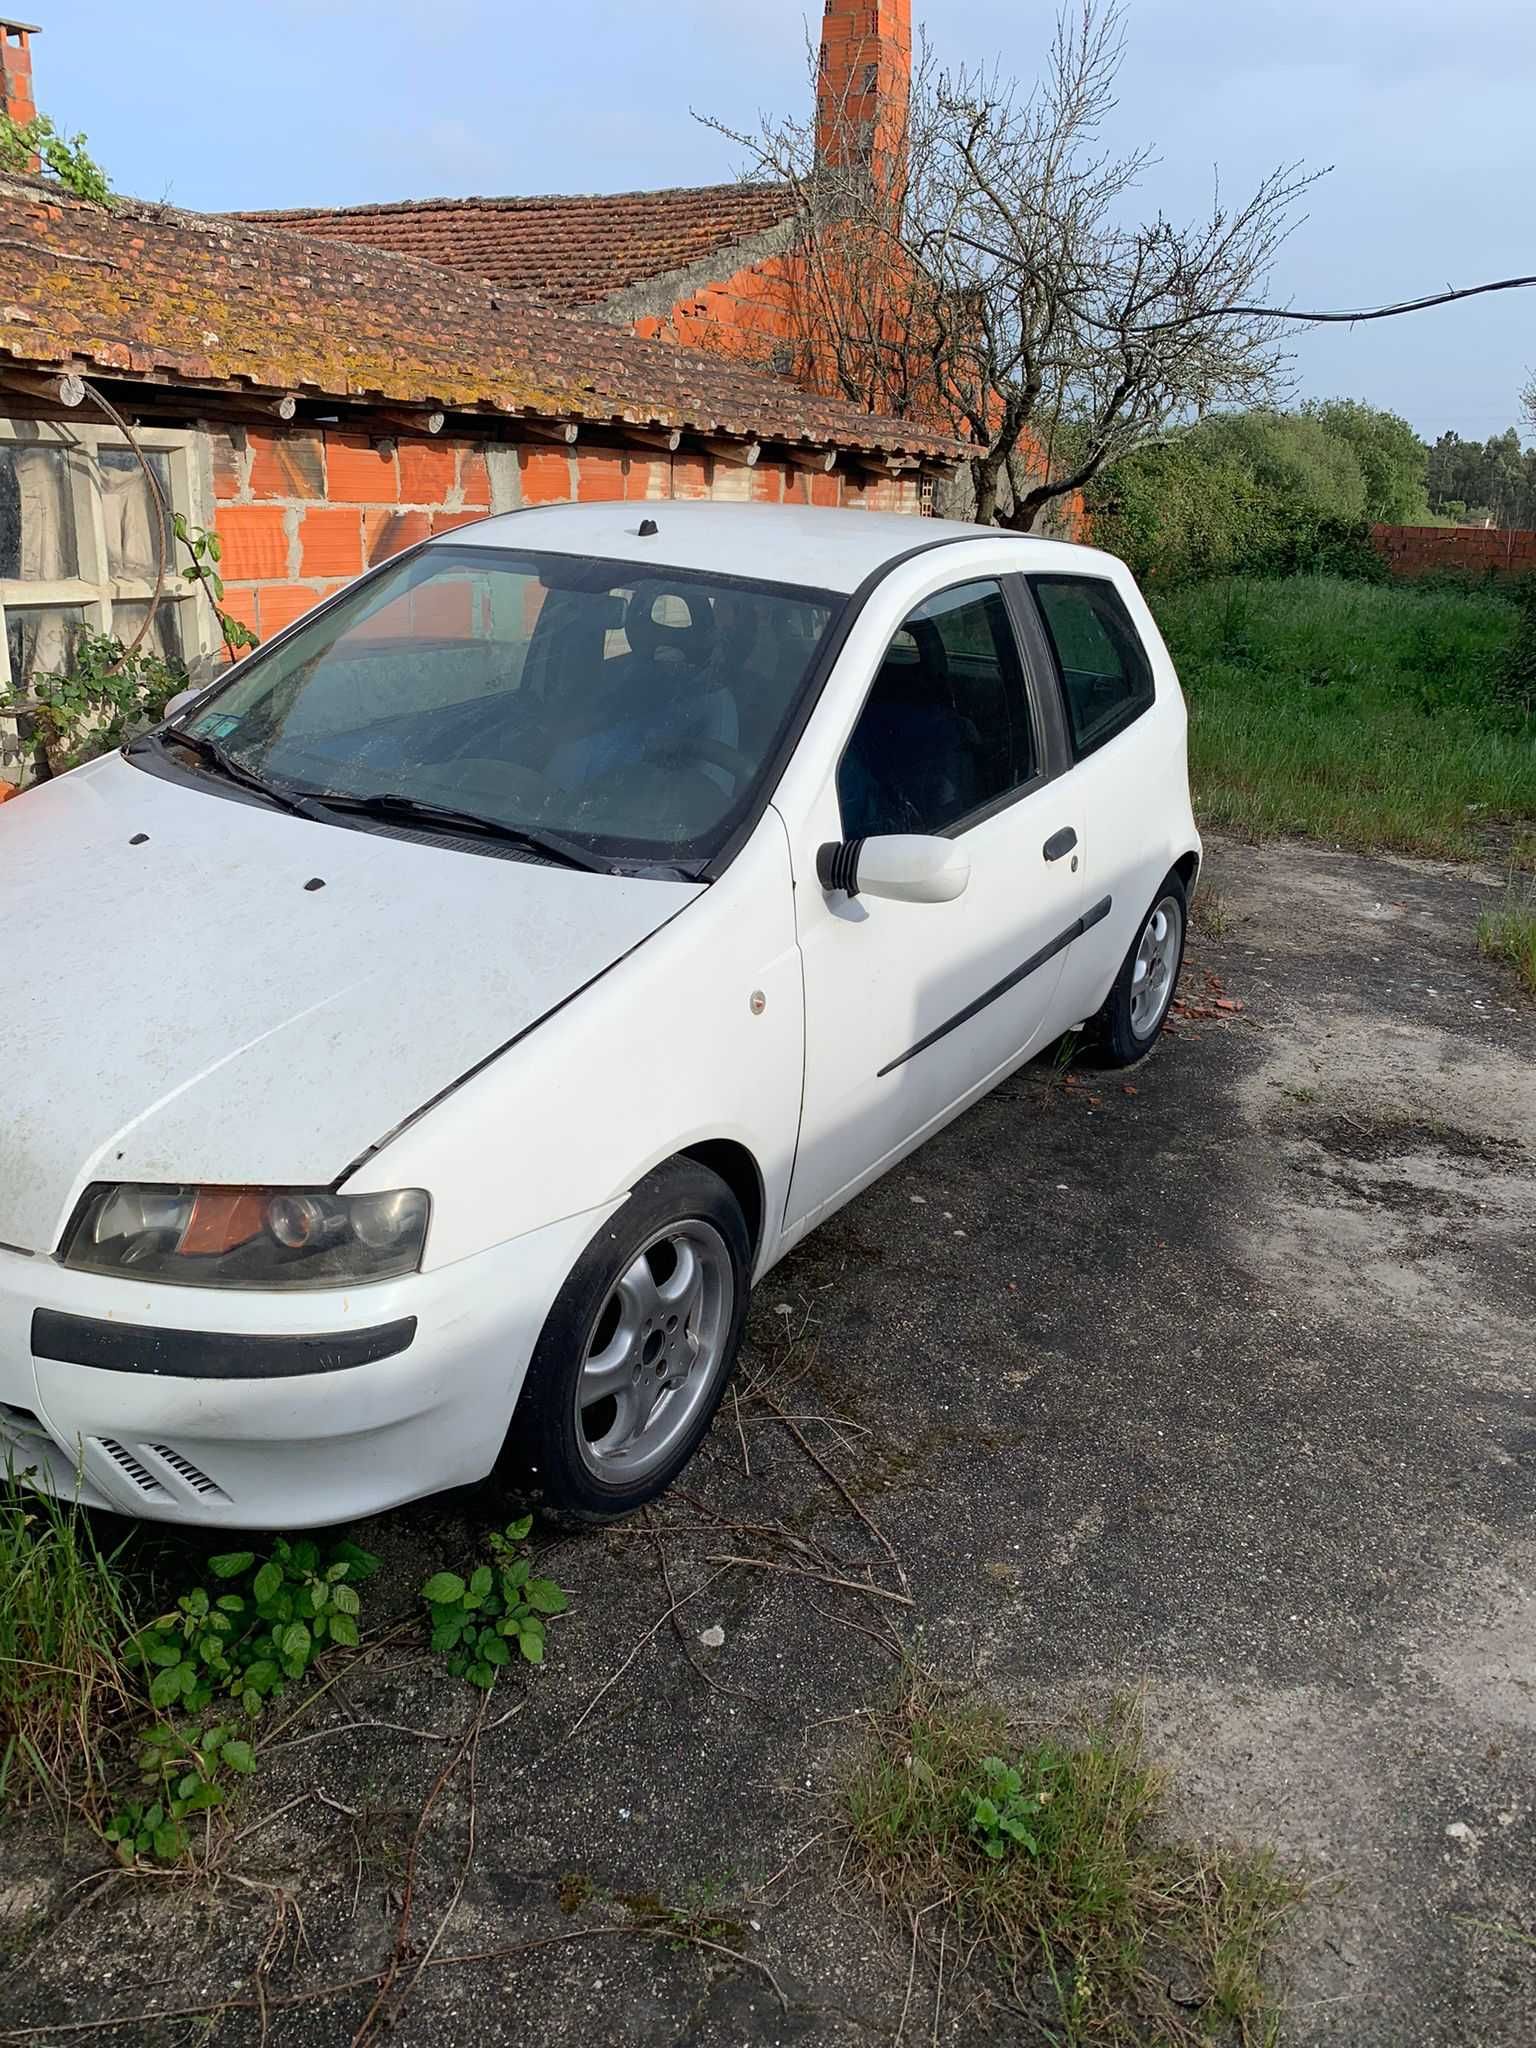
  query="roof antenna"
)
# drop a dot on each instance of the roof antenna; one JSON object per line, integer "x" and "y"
{"x": 646, "y": 528}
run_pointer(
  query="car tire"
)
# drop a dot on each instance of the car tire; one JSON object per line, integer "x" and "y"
{"x": 638, "y": 1348}
{"x": 1127, "y": 1027}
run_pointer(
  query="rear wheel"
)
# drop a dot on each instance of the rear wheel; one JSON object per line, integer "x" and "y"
{"x": 639, "y": 1347}
{"x": 1126, "y": 1028}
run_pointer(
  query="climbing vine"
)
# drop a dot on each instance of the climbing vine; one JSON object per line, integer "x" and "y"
{"x": 24, "y": 145}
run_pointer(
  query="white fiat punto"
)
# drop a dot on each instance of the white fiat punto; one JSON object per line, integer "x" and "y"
{"x": 422, "y": 1041}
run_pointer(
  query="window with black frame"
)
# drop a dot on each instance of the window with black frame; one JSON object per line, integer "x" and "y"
{"x": 945, "y": 731}
{"x": 1105, "y": 674}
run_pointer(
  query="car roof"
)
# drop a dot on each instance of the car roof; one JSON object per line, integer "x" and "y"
{"x": 816, "y": 548}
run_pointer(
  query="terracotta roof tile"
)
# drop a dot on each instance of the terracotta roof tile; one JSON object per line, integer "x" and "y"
{"x": 196, "y": 299}
{"x": 572, "y": 251}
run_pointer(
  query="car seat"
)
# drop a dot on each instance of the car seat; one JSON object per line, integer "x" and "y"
{"x": 911, "y": 765}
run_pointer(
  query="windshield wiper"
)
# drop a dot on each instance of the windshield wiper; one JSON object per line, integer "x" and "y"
{"x": 390, "y": 806}
{"x": 224, "y": 763}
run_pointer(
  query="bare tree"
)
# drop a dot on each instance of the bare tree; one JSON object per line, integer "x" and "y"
{"x": 1528, "y": 401}
{"x": 984, "y": 271}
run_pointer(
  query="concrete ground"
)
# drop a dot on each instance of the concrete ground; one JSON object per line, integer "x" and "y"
{"x": 1222, "y": 1383}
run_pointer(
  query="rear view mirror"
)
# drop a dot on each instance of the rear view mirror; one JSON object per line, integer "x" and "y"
{"x": 905, "y": 867}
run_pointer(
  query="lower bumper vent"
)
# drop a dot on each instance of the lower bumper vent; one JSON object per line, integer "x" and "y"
{"x": 195, "y": 1477}
{"x": 124, "y": 1459}
{"x": 160, "y": 1471}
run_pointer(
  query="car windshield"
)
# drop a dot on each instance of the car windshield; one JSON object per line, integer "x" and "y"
{"x": 631, "y": 709}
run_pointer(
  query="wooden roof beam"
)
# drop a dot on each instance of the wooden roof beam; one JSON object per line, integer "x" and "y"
{"x": 887, "y": 466}
{"x": 430, "y": 420}
{"x": 666, "y": 439}
{"x": 743, "y": 453}
{"x": 52, "y": 387}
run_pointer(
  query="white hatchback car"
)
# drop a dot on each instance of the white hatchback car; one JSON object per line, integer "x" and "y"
{"x": 423, "y": 1041}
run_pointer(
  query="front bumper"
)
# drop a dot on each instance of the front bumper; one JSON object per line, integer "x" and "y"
{"x": 242, "y": 1450}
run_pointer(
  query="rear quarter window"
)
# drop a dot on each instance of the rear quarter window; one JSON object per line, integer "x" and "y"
{"x": 1106, "y": 677}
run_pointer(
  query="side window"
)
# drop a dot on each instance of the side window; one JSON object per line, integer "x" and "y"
{"x": 1104, "y": 668}
{"x": 945, "y": 730}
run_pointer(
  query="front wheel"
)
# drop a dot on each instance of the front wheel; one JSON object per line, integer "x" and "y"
{"x": 1128, "y": 1024}
{"x": 639, "y": 1347}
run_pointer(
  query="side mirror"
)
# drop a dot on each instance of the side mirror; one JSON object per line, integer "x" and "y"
{"x": 906, "y": 867}
{"x": 179, "y": 703}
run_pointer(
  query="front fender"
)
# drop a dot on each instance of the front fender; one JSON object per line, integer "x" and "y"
{"x": 698, "y": 1034}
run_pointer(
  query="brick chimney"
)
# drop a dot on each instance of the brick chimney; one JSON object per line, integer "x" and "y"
{"x": 16, "y": 74}
{"x": 864, "y": 84}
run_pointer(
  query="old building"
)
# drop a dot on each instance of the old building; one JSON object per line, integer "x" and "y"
{"x": 708, "y": 266}
{"x": 321, "y": 404}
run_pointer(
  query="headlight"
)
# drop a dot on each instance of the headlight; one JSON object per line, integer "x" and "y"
{"x": 247, "y": 1237}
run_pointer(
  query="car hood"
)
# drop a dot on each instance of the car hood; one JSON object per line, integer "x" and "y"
{"x": 182, "y": 1003}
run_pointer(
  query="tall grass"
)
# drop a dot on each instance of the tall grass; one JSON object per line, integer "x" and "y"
{"x": 1374, "y": 715}
{"x": 63, "y": 1623}
{"x": 1087, "y": 1909}
{"x": 1508, "y": 932}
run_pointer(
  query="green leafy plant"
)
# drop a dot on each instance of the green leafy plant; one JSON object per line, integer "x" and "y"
{"x": 1004, "y": 1815}
{"x": 62, "y": 157}
{"x": 109, "y": 692}
{"x": 246, "y": 1643}
{"x": 103, "y": 698}
{"x": 206, "y": 550}
{"x": 181, "y": 1771}
{"x": 477, "y": 1621}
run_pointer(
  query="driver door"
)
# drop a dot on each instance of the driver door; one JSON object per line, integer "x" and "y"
{"x": 912, "y": 1009}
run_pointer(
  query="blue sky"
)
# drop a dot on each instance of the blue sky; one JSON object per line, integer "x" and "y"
{"x": 1423, "y": 107}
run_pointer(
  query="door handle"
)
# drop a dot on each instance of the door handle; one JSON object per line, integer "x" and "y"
{"x": 1059, "y": 843}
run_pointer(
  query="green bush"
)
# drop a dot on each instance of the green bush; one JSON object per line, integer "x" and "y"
{"x": 1263, "y": 493}
{"x": 103, "y": 698}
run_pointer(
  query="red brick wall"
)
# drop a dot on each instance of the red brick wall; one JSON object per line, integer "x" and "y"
{"x": 301, "y": 510}
{"x": 750, "y": 314}
{"x": 550, "y": 476}
{"x": 1455, "y": 550}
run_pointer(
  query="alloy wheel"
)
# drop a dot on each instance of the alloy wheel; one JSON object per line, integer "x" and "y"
{"x": 655, "y": 1352}
{"x": 1156, "y": 964}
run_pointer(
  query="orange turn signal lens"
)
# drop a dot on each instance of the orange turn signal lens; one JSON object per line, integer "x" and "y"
{"x": 220, "y": 1221}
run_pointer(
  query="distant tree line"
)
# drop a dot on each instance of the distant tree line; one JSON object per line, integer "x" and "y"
{"x": 1270, "y": 492}
{"x": 1478, "y": 483}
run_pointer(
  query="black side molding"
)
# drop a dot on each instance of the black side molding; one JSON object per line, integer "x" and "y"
{"x": 1059, "y": 944}
{"x": 210, "y": 1354}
